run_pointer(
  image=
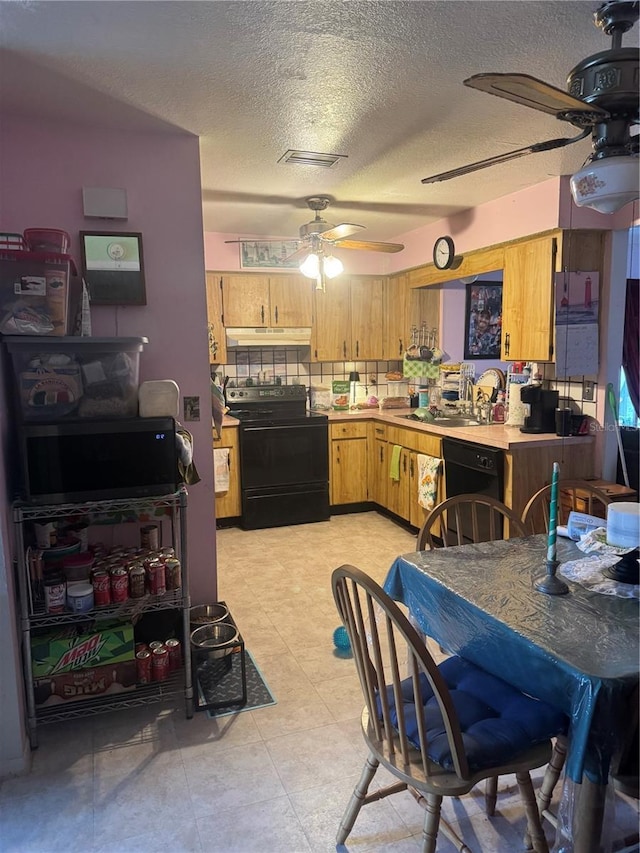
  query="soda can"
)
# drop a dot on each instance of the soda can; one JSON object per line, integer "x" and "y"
{"x": 167, "y": 551}
{"x": 119, "y": 585}
{"x": 101, "y": 589}
{"x": 155, "y": 644}
{"x": 173, "y": 573}
{"x": 175, "y": 653}
{"x": 156, "y": 575}
{"x": 136, "y": 581}
{"x": 144, "y": 666}
{"x": 142, "y": 647}
{"x": 149, "y": 537}
{"x": 160, "y": 664}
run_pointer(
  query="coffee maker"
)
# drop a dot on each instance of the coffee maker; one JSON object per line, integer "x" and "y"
{"x": 542, "y": 409}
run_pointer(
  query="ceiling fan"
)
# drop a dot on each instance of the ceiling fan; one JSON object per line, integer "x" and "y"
{"x": 602, "y": 100}
{"x": 320, "y": 235}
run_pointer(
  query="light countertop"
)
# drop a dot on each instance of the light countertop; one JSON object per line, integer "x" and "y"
{"x": 492, "y": 435}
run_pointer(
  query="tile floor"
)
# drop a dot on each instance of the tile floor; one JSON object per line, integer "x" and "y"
{"x": 275, "y": 779}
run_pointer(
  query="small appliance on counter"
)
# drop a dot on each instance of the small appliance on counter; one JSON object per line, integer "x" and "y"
{"x": 542, "y": 409}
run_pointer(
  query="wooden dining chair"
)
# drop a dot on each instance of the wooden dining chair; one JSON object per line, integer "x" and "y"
{"x": 442, "y": 729}
{"x": 467, "y": 518}
{"x": 573, "y": 495}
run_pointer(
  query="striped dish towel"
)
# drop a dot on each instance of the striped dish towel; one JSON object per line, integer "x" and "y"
{"x": 428, "y": 468}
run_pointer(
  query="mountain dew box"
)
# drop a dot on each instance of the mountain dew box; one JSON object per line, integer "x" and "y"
{"x": 73, "y": 662}
{"x": 340, "y": 394}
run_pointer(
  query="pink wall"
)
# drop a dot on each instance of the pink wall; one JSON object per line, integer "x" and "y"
{"x": 43, "y": 169}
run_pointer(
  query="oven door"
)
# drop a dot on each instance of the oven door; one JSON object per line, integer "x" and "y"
{"x": 274, "y": 455}
{"x": 284, "y": 470}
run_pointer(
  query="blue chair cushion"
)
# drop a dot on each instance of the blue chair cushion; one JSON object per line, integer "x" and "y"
{"x": 498, "y": 722}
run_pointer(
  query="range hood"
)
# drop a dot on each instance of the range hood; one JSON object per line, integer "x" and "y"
{"x": 268, "y": 337}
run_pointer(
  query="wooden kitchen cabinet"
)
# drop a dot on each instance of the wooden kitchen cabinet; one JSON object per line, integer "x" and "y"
{"x": 228, "y": 503}
{"x": 348, "y": 474}
{"x": 405, "y": 307}
{"x": 215, "y": 325}
{"x": 402, "y": 494}
{"x": 378, "y": 464}
{"x": 266, "y": 301}
{"x": 347, "y": 319}
{"x": 527, "y": 300}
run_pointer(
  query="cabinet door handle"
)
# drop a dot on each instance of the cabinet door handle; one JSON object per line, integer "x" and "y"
{"x": 404, "y": 464}
{"x": 276, "y": 315}
{"x": 357, "y": 348}
{"x": 344, "y": 348}
{"x": 411, "y": 467}
{"x": 381, "y": 455}
{"x": 400, "y": 347}
{"x": 262, "y": 313}
{"x": 506, "y": 343}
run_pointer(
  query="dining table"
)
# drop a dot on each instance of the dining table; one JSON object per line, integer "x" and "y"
{"x": 578, "y": 651}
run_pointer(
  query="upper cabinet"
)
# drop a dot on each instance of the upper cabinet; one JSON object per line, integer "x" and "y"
{"x": 405, "y": 307}
{"x": 527, "y": 300}
{"x": 348, "y": 319}
{"x": 217, "y": 338}
{"x": 266, "y": 301}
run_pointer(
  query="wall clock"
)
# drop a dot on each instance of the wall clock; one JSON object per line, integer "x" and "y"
{"x": 444, "y": 252}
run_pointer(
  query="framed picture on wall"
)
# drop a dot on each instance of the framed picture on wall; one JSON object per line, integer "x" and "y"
{"x": 272, "y": 254}
{"x": 483, "y": 320}
{"x": 113, "y": 267}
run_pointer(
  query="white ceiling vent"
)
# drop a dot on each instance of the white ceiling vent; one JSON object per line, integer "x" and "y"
{"x": 311, "y": 158}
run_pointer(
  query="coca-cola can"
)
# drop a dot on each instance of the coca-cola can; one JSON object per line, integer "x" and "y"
{"x": 156, "y": 575}
{"x": 155, "y": 644}
{"x": 160, "y": 665}
{"x": 119, "y": 585}
{"x": 144, "y": 666}
{"x": 101, "y": 589}
{"x": 142, "y": 647}
{"x": 173, "y": 573}
{"x": 175, "y": 653}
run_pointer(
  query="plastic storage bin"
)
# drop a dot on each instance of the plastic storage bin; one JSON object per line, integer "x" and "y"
{"x": 71, "y": 377}
{"x": 40, "y": 293}
{"x": 47, "y": 240}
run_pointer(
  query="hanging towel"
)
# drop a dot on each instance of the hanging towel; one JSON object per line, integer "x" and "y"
{"x": 428, "y": 467}
{"x": 221, "y": 469}
{"x": 394, "y": 467}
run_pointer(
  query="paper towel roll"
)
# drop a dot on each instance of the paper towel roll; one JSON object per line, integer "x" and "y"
{"x": 517, "y": 410}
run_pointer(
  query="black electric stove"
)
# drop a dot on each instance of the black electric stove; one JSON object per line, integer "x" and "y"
{"x": 284, "y": 456}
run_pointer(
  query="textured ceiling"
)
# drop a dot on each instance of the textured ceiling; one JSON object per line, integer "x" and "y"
{"x": 380, "y": 82}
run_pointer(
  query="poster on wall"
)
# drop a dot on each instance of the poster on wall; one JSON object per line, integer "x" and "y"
{"x": 483, "y": 320}
{"x": 577, "y": 301}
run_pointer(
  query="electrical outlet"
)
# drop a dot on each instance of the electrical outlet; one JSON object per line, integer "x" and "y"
{"x": 588, "y": 389}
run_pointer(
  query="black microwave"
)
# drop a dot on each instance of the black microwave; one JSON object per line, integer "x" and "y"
{"x": 98, "y": 460}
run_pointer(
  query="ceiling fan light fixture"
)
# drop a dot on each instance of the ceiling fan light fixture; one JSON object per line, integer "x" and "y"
{"x": 310, "y": 266}
{"x": 606, "y": 184}
{"x": 332, "y": 266}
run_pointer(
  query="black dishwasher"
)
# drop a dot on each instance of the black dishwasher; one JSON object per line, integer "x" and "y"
{"x": 473, "y": 468}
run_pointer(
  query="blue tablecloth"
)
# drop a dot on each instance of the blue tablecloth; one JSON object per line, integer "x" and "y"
{"x": 577, "y": 651}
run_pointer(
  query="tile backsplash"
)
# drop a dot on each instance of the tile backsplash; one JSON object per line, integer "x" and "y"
{"x": 291, "y": 366}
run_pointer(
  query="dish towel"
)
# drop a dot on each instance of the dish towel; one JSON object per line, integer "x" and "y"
{"x": 415, "y": 368}
{"x": 394, "y": 465}
{"x": 221, "y": 469}
{"x": 428, "y": 468}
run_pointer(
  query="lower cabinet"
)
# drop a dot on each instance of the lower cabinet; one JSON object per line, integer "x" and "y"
{"x": 228, "y": 502}
{"x": 402, "y": 494}
{"x": 378, "y": 463}
{"x": 348, "y": 474}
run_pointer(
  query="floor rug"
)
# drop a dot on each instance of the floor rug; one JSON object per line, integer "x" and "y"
{"x": 221, "y": 681}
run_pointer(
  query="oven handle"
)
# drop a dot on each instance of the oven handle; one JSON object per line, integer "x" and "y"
{"x": 282, "y": 427}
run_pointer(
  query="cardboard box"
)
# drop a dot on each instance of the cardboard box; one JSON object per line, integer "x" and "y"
{"x": 40, "y": 293}
{"x": 340, "y": 394}
{"x": 80, "y": 647}
{"x": 88, "y": 683}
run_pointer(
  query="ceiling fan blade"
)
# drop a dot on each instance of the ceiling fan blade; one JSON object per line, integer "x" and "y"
{"x": 531, "y": 92}
{"x": 338, "y": 232}
{"x": 549, "y": 145}
{"x": 368, "y": 246}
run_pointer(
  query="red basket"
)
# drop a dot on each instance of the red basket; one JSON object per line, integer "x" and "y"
{"x": 47, "y": 240}
{"x": 12, "y": 241}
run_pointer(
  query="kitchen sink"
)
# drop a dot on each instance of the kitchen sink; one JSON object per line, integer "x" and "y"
{"x": 452, "y": 421}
